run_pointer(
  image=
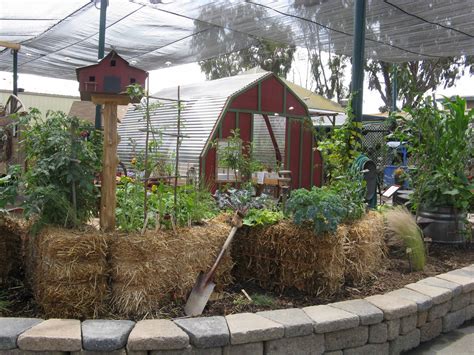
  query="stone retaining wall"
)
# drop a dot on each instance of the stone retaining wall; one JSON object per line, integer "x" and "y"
{"x": 383, "y": 324}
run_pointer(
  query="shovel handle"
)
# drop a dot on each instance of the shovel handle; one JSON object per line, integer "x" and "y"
{"x": 237, "y": 223}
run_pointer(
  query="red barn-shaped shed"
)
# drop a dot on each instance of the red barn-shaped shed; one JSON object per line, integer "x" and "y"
{"x": 111, "y": 75}
{"x": 266, "y": 111}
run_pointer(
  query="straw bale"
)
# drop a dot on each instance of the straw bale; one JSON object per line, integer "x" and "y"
{"x": 70, "y": 272}
{"x": 150, "y": 270}
{"x": 285, "y": 255}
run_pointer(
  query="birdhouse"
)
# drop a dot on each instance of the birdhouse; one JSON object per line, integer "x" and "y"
{"x": 110, "y": 76}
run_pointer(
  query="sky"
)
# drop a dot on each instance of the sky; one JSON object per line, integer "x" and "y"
{"x": 191, "y": 73}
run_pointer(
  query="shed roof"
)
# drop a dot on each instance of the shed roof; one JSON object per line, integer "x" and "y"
{"x": 203, "y": 104}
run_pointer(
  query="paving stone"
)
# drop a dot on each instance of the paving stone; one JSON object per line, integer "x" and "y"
{"x": 52, "y": 335}
{"x": 190, "y": 350}
{"x": 462, "y": 272}
{"x": 308, "y": 344}
{"x": 105, "y": 335}
{"x": 393, "y": 307}
{"x": 439, "y": 311}
{"x": 407, "y": 324}
{"x": 347, "y": 338}
{"x": 393, "y": 328}
{"x": 369, "y": 349}
{"x": 378, "y": 333}
{"x": 244, "y": 349}
{"x": 437, "y": 294}
{"x": 367, "y": 312}
{"x": 335, "y": 352}
{"x": 455, "y": 288}
{"x": 28, "y": 352}
{"x": 90, "y": 352}
{"x": 466, "y": 282}
{"x": 11, "y": 328}
{"x": 205, "y": 332}
{"x": 461, "y": 301}
{"x": 250, "y": 327}
{"x": 431, "y": 330}
{"x": 453, "y": 320}
{"x": 422, "y": 318}
{"x": 405, "y": 342}
{"x": 423, "y": 302}
{"x": 469, "y": 312}
{"x": 157, "y": 334}
{"x": 294, "y": 320}
{"x": 329, "y": 319}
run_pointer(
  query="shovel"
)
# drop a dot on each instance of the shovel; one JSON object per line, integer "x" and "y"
{"x": 204, "y": 286}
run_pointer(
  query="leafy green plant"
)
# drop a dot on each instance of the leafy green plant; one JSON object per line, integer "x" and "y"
{"x": 237, "y": 156}
{"x": 9, "y": 186}
{"x": 194, "y": 205}
{"x": 322, "y": 208}
{"x": 439, "y": 142}
{"x": 239, "y": 199}
{"x": 340, "y": 148}
{"x": 261, "y": 217}
{"x": 351, "y": 188}
{"x": 402, "y": 224}
{"x": 263, "y": 300}
{"x": 64, "y": 156}
{"x": 4, "y": 303}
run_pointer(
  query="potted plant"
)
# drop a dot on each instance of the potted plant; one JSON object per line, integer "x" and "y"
{"x": 439, "y": 141}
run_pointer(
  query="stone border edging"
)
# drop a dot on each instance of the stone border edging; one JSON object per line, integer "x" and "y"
{"x": 382, "y": 324}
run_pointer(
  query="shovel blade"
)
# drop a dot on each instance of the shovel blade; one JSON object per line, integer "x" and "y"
{"x": 199, "y": 296}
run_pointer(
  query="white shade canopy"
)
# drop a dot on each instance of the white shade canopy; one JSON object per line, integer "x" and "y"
{"x": 58, "y": 36}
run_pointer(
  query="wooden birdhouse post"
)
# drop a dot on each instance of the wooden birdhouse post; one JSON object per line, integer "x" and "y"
{"x": 105, "y": 84}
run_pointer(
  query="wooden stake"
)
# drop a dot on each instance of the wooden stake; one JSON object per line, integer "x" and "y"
{"x": 108, "y": 200}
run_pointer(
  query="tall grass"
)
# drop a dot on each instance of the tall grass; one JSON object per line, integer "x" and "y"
{"x": 402, "y": 224}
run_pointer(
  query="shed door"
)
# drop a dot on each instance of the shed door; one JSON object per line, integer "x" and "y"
{"x": 112, "y": 84}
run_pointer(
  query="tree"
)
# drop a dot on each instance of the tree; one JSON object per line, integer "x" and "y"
{"x": 270, "y": 56}
{"x": 242, "y": 52}
{"x": 327, "y": 68}
{"x": 415, "y": 78}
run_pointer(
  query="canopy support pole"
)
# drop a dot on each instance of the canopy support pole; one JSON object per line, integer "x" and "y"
{"x": 15, "y": 71}
{"x": 102, "y": 23}
{"x": 358, "y": 59}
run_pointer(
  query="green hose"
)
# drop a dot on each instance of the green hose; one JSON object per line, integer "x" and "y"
{"x": 356, "y": 168}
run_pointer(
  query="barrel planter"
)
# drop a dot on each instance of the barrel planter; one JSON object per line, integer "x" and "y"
{"x": 443, "y": 224}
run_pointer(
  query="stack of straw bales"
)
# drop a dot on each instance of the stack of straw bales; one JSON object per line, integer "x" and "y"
{"x": 149, "y": 271}
{"x": 285, "y": 256}
{"x": 70, "y": 272}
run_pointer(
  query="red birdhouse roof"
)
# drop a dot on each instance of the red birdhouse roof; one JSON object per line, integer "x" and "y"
{"x": 112, "y": 55}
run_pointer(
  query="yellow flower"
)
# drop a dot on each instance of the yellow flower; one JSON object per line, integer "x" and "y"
{"x": 154, "y": 188}
{"x": 134, "y": 161}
